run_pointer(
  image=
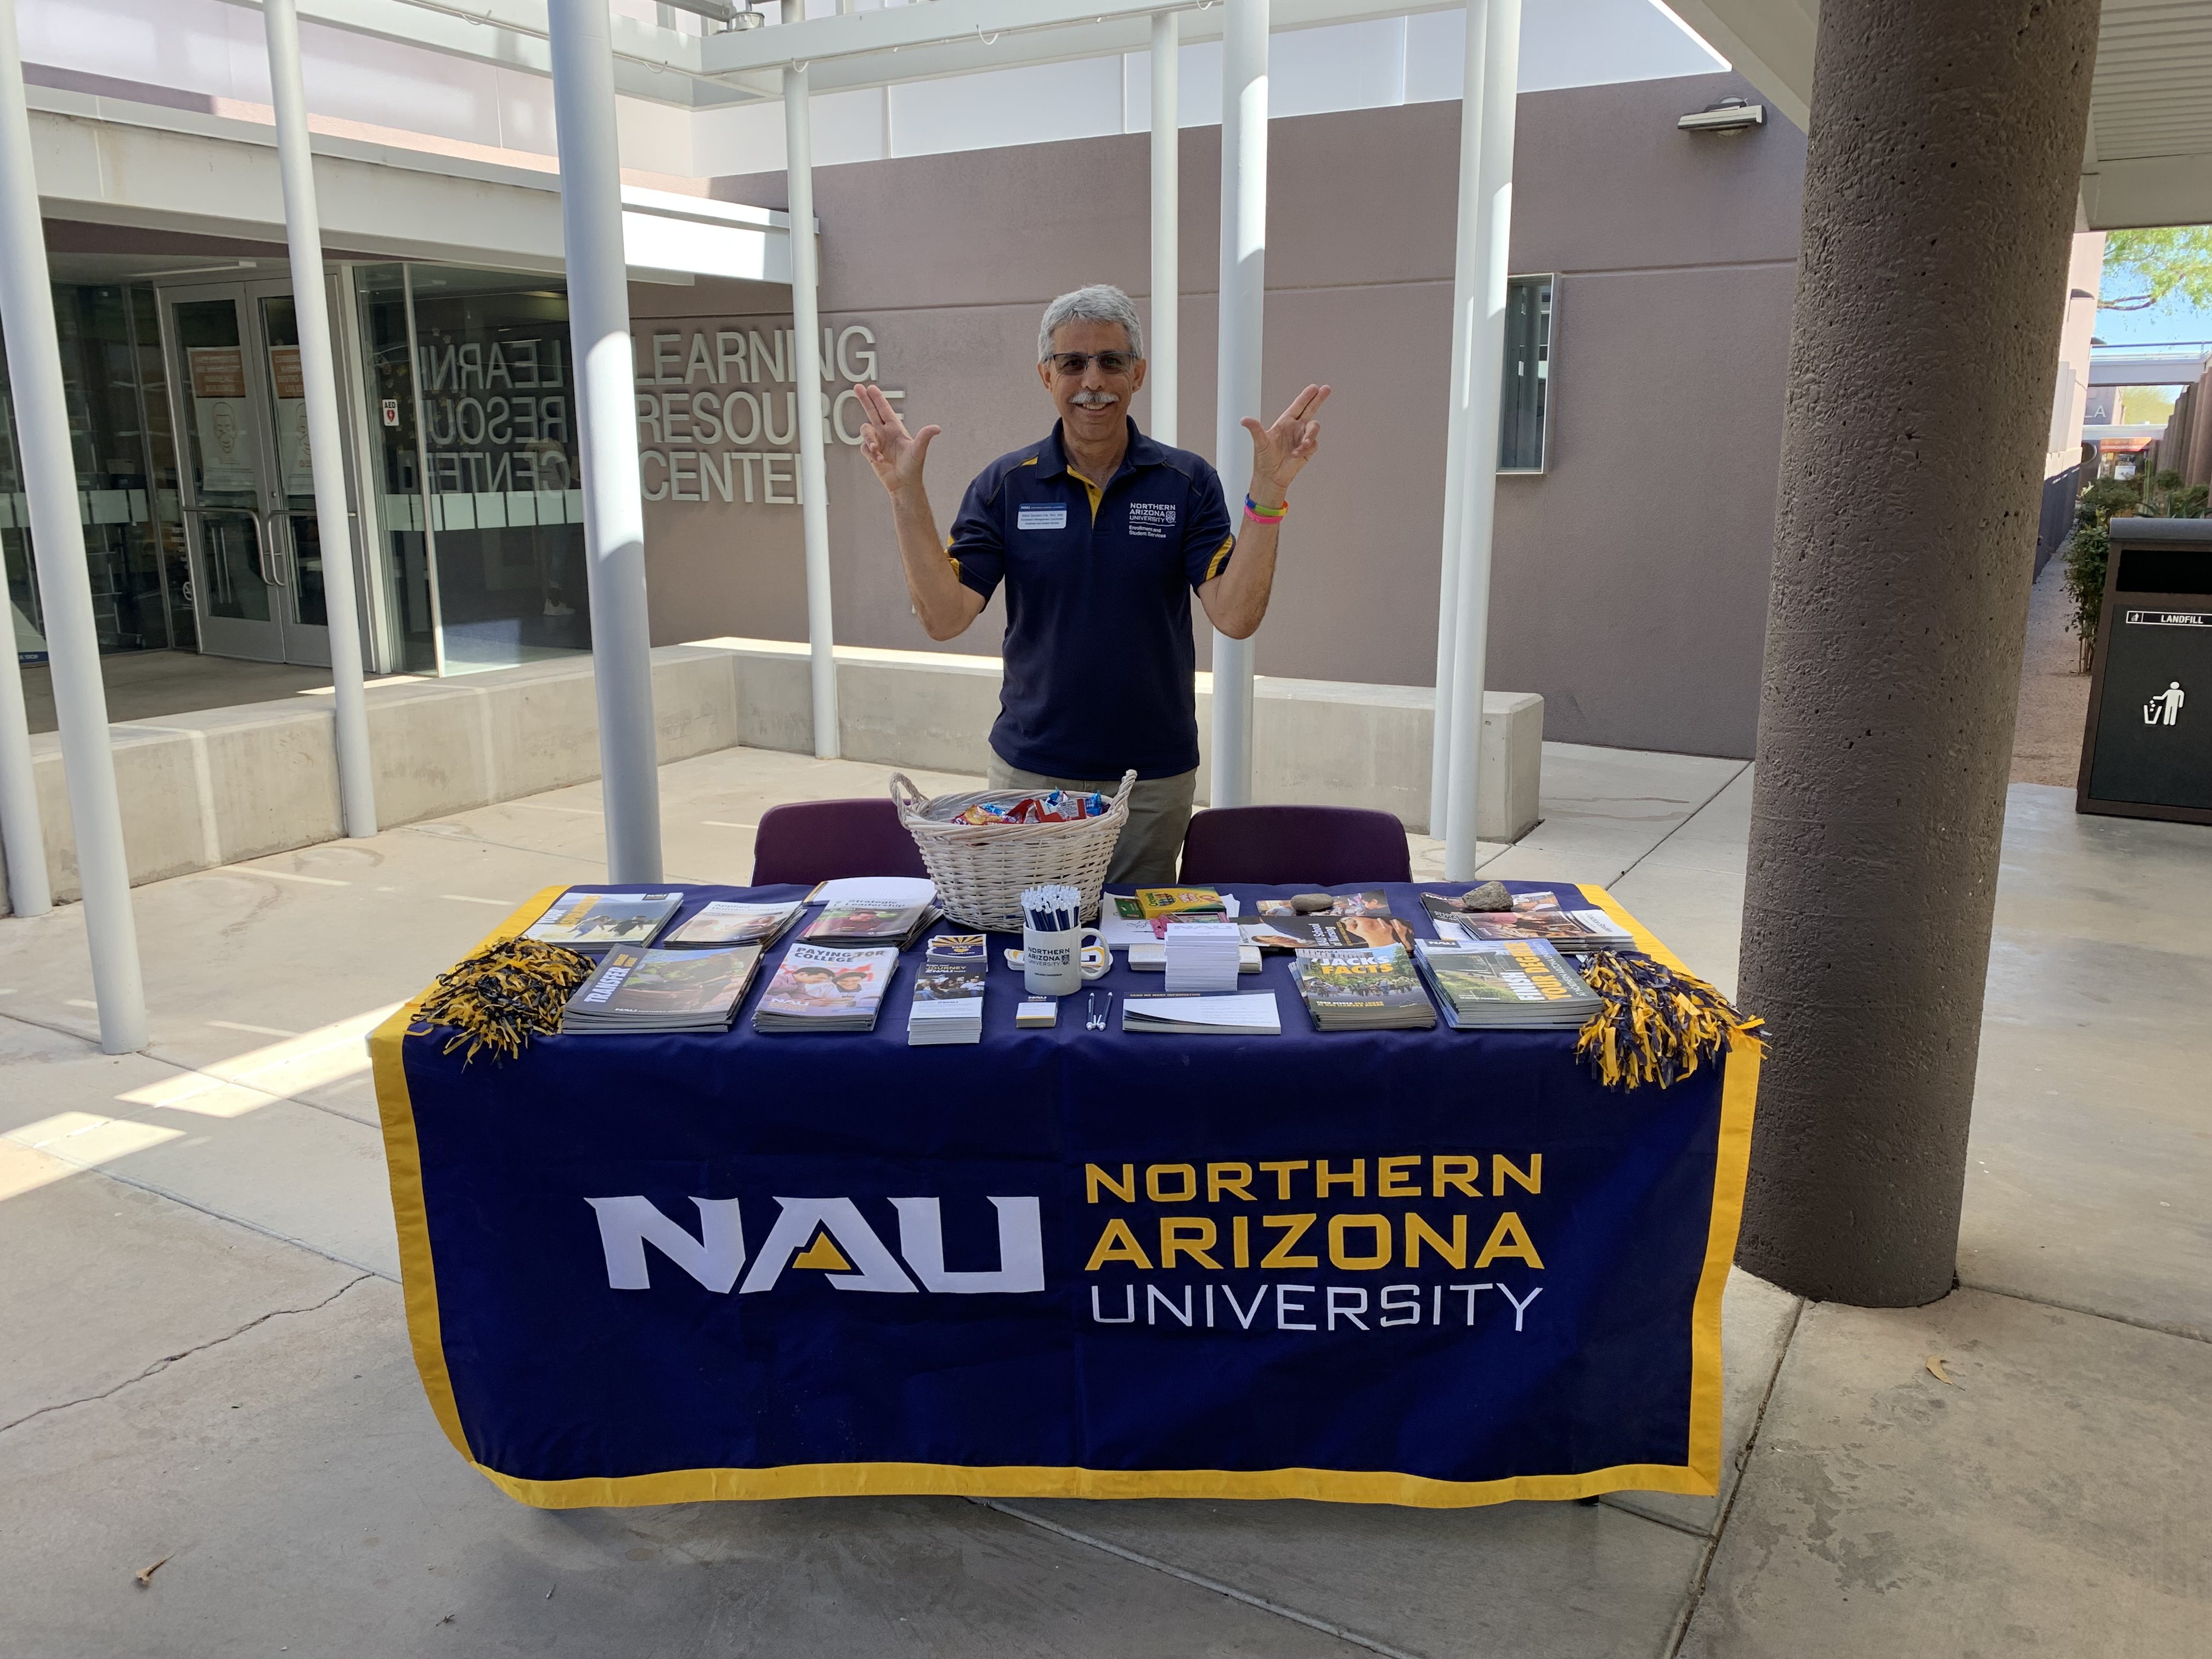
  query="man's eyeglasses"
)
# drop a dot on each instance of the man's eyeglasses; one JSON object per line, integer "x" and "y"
{"x": 1069, "y": 364}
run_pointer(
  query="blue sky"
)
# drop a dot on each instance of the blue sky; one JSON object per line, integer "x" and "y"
{"x": 2172, "y": 321}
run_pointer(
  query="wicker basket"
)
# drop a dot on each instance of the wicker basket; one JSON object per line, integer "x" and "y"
{"x": 980, "y": 869}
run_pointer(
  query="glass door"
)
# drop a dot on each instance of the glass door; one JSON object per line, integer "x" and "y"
{"x": 248, "y": 496}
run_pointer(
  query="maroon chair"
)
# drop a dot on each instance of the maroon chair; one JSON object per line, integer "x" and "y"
{"x": 812, "y": 840}
{"x": 1294, "y": 846}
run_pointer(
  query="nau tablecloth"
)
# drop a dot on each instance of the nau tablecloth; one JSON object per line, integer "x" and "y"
{"x": 1436, "y": 1268}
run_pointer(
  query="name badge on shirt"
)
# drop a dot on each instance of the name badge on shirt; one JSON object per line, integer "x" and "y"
{"x": 1041, "y": 516}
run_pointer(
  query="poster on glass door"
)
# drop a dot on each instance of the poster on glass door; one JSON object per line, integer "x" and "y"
{"x": 221, "y": 418}
{"x": 294, "y": 456}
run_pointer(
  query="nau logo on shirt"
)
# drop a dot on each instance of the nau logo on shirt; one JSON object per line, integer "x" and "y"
{"x": 827, "y": 1236}
{"x": 1153, "y": 519}
{"x": 1048, "y": 515}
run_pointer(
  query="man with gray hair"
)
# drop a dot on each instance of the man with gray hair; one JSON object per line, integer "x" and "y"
{"x": 1100, "y": 536}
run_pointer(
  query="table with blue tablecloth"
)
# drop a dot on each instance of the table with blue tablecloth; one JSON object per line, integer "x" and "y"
{"x": 1428, "y": 1268}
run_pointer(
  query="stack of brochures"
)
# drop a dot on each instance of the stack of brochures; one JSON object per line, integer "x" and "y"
{"x": 725, "y": 921}
{"x": 1242, "y": 1013}
{"x": 599, "y": 922}
{"x": 948, "y": 997}
{"x": 862, "y": 923}
{"x": 1140, "y": 918}
{"x": 1153, "y": 957}
{"x": 1537, "y": 915}
{"x": 1354, "y": 931}
{"x": 1340, "y": 904}
{"x": 819, "y": 989}
{"x": 1372, "y": 989}
{"x": 641, "y": 990}
{"x": 1518, "y": 984}
{"x": 1202, "y": 956}
{"x": 877, "y": 889}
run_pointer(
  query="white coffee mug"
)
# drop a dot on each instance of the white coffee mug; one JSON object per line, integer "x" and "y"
{"x": 1055, "y": 964}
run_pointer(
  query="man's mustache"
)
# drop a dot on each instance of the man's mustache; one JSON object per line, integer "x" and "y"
{"x": 1094, "y": 399}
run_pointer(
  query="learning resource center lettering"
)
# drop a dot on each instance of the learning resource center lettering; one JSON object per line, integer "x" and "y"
{"x": 718, "y": 409}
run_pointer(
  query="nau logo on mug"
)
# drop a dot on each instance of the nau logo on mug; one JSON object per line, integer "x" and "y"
{"x": 1049, "y": 515}
{"x": 827, "y": 1236}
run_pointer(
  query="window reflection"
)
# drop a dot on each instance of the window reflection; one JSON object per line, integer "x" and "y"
{"x": 1525, "y": 412}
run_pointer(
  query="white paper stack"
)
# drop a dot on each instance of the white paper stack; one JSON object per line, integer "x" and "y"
{"x": 1251, "y": 1013}
{"x": 1609, "y": 935}
{"x": 1202, "y": 956}
{"x": 1153, "y": 957}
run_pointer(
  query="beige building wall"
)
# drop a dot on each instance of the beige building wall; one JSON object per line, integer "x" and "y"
{"x": 2084, "y": 272}
{"x": 1631, "y": 578}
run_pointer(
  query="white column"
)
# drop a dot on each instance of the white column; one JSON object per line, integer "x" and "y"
{"x": 1466, "y": 288}
{"x": 319, "y": 383}
{"x": 1165, "y": 348}
{"x": 29, "y": 893}
{"x": 1244, "y": 289}
{"x": 806, "y": 326}
{"x": 42, "y": 433}
{"x": 606, "y": 430}
{"x": 1492, "y": 67}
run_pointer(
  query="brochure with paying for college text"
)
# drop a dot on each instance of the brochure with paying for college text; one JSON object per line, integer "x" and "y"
{"x": 818, "y": 988}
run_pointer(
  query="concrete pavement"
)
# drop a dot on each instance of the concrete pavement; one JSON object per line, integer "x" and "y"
{"x": 205, "y": 1362}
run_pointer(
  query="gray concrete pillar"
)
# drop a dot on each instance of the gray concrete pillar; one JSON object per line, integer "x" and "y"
{"x": 1945, "y": 147}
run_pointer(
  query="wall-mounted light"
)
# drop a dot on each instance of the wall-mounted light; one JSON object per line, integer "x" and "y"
{"x": 1729, "y": 115}
{"x": 725, "y": 12}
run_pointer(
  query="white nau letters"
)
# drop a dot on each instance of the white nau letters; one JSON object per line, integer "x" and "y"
{"x": 816, "y": 1233}
{"x": 628, "y": 1225}
{"x": 1021, "y": 1247}
{"x": 839, "y": 1220}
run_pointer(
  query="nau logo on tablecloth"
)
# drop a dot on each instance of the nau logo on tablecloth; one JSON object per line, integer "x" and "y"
{"x": 820, "y": 1234}
{"x": 1166, "y": 1237}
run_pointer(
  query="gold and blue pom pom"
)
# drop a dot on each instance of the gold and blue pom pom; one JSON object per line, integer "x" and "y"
{"x": 504, "y": 995}
{"x": 1658, "y": 1025}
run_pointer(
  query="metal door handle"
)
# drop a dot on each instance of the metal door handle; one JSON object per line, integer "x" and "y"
{"x": 260, "y": 541}
{"x": 274, "y": 554}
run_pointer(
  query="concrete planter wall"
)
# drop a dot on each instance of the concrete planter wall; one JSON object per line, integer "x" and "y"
{"x": 225, "y": 784}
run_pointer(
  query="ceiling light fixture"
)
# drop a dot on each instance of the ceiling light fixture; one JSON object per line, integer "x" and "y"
{"x": 725, "y": 12}
{"x": 1729, "y": 115}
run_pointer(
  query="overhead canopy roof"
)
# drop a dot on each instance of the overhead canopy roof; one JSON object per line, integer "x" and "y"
{"x": 109, "y": 161}
{"x": 963, "y": 37}
{"x": 2148, "y": 160}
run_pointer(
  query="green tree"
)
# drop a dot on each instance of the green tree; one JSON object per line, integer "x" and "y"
{"x": 2090, "y": 549}
{"x": 2147, "y": 268}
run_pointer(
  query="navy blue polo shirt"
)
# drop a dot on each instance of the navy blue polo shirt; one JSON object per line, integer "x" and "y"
{"x": 1098, "y": 649}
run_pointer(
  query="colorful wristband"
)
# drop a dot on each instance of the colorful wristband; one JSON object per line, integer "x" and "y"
{"x": 1260, "y": 515}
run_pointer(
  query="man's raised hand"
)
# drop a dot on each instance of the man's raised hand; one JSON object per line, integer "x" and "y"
{"x": 1280, "y": 450}
{"x": 896, "y": 453}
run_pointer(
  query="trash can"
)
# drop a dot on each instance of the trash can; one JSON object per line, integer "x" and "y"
{"x": 2148, "y": 751}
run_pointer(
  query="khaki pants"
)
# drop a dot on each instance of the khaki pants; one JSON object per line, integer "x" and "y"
{"x": 1151, "y": 841}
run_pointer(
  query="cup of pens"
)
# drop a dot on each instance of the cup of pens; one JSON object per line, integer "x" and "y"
{"x": 1058, "y": 952}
